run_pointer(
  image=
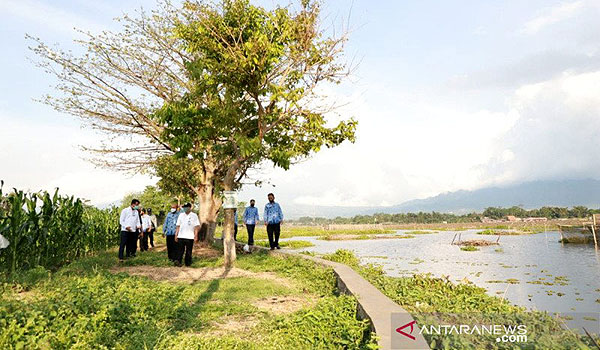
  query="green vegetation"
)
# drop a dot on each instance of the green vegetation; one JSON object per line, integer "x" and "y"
{"x": 509, "y": 281}
{"x": 48, "y": 229}
{"x": 353, "y": 237}
{"x": 423, "y": 296}
{"x": 469, "y": 248}
{"x": 420, "y": 232}
{"x": 88, "y": 305}
{"x": 506, "y": 233}
{"x": 287, "y": 244}
{"x": 156, "y": 199}
{"x": 260, "y": 233}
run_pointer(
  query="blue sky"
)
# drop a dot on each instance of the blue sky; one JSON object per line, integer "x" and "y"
{"x": 449, "y": 95}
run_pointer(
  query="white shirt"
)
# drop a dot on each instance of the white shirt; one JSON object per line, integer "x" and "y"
{"x": 146, "y": 222}
{"x": 3, "y": 242}
{"x": 186, "y": 224}
{"x": 130, "y": 218}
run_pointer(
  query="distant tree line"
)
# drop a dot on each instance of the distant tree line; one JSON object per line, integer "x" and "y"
{"x": 437, "y": 217}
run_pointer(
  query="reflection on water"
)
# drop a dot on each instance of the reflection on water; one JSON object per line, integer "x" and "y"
{"x": 543, "y": 273}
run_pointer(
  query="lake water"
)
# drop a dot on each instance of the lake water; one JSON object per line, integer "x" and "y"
{"x": 547, "y": 275}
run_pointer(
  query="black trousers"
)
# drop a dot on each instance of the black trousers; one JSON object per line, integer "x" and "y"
{"x": 144, "y": 242}
{"x": 250, "y": 229}
{"x": 124, "y": 244}
{"x": 151, "y": 235}
{"x": 235, "y": 228}
{"x": 185, "y": 245}
{"x": 273, "y": 231}
{"x": 172, "y": 248}
{"x": 132, "y": 238}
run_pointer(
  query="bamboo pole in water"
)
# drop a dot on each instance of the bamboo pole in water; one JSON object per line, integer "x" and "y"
{"x": 594, "y": 230}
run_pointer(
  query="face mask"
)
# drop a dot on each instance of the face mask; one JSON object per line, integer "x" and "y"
{"x": 136, "y": 207}
{"x": 187, "y": 210}
{"x": 173, "y": 210}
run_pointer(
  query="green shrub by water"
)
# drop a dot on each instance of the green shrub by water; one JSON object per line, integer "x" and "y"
{"x": 48, "y": 229}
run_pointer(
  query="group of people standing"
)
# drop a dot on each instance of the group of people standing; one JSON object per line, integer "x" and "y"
{"x": 181, "y": 229}
{"x": 273, "y": 218}
{"x": 137, "y": 225}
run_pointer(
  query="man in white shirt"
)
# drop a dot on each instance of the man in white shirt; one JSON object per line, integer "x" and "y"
{"x": 130, "y": 223}
{"x": 146, "y": 227}
{"x": 186, "y": 233}
{"x": 154, "y": 222}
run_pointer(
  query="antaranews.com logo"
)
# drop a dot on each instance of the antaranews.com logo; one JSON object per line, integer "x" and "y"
{"x": 483, "y": 330}
{"x": 503, "y": 333}
{"x": 438, "y": 330}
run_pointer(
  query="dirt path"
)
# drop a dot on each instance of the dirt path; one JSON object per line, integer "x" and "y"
{"x": 274, "y": 304}
{"x": 191, "y": 274}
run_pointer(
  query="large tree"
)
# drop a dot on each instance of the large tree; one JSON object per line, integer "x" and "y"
{"x": 212, "y": 89}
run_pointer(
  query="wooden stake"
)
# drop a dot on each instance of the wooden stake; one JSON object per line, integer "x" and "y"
{"x": 594, "y": 230}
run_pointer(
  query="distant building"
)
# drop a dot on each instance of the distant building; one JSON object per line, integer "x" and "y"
{"x": 487, "y": 220}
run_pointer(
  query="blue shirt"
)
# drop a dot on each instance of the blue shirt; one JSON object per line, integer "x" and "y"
{"x": 251, "y": 216}
{"x": 170, "y": 223}
{"x": 273, "y": 213}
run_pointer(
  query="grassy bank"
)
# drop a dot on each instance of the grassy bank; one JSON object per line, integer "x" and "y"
{"x": 266, "y": 302}
{"x": 423, "y": 296}
{"x": 260, "y": 232}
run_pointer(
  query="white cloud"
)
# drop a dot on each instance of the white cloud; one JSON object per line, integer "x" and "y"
{"x": 414, "y": 146}
{"x": 37, "y": 156}
{"x": 556, "y": 134}
{"x": 552, "y": 15}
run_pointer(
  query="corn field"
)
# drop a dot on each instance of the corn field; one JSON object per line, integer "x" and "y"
{"x": 49, "y": 230}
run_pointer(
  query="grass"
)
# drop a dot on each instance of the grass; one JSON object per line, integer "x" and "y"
{"x": 495, "y": 232}
{"x": 424, "y": 296}
{"x": 83, "y": 305}
{"x": 260, "y": 233}
{"x": 420, "y": 232}
{"x": 351, "y": 237}
{"x": 286, "y": 244}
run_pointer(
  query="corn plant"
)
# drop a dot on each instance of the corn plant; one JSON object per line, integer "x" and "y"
{"x": 49, "y": 230}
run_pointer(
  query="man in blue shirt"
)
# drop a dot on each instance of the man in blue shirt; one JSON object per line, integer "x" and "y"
{"x": 235, "y": 224}
{"x": 273, "y": 217}
{"x": 169, "y": 231}
{"x": 250, "y": 219}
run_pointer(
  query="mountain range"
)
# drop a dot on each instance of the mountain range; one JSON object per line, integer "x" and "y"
{"x": 529, "y": 195}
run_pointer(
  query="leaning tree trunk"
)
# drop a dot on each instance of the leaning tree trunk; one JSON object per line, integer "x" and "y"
{"x": 210, "y": 203}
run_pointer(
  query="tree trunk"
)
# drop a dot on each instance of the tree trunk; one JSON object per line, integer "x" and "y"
{"x": 210, "y": 203}
{"x": 228, "y": 238}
